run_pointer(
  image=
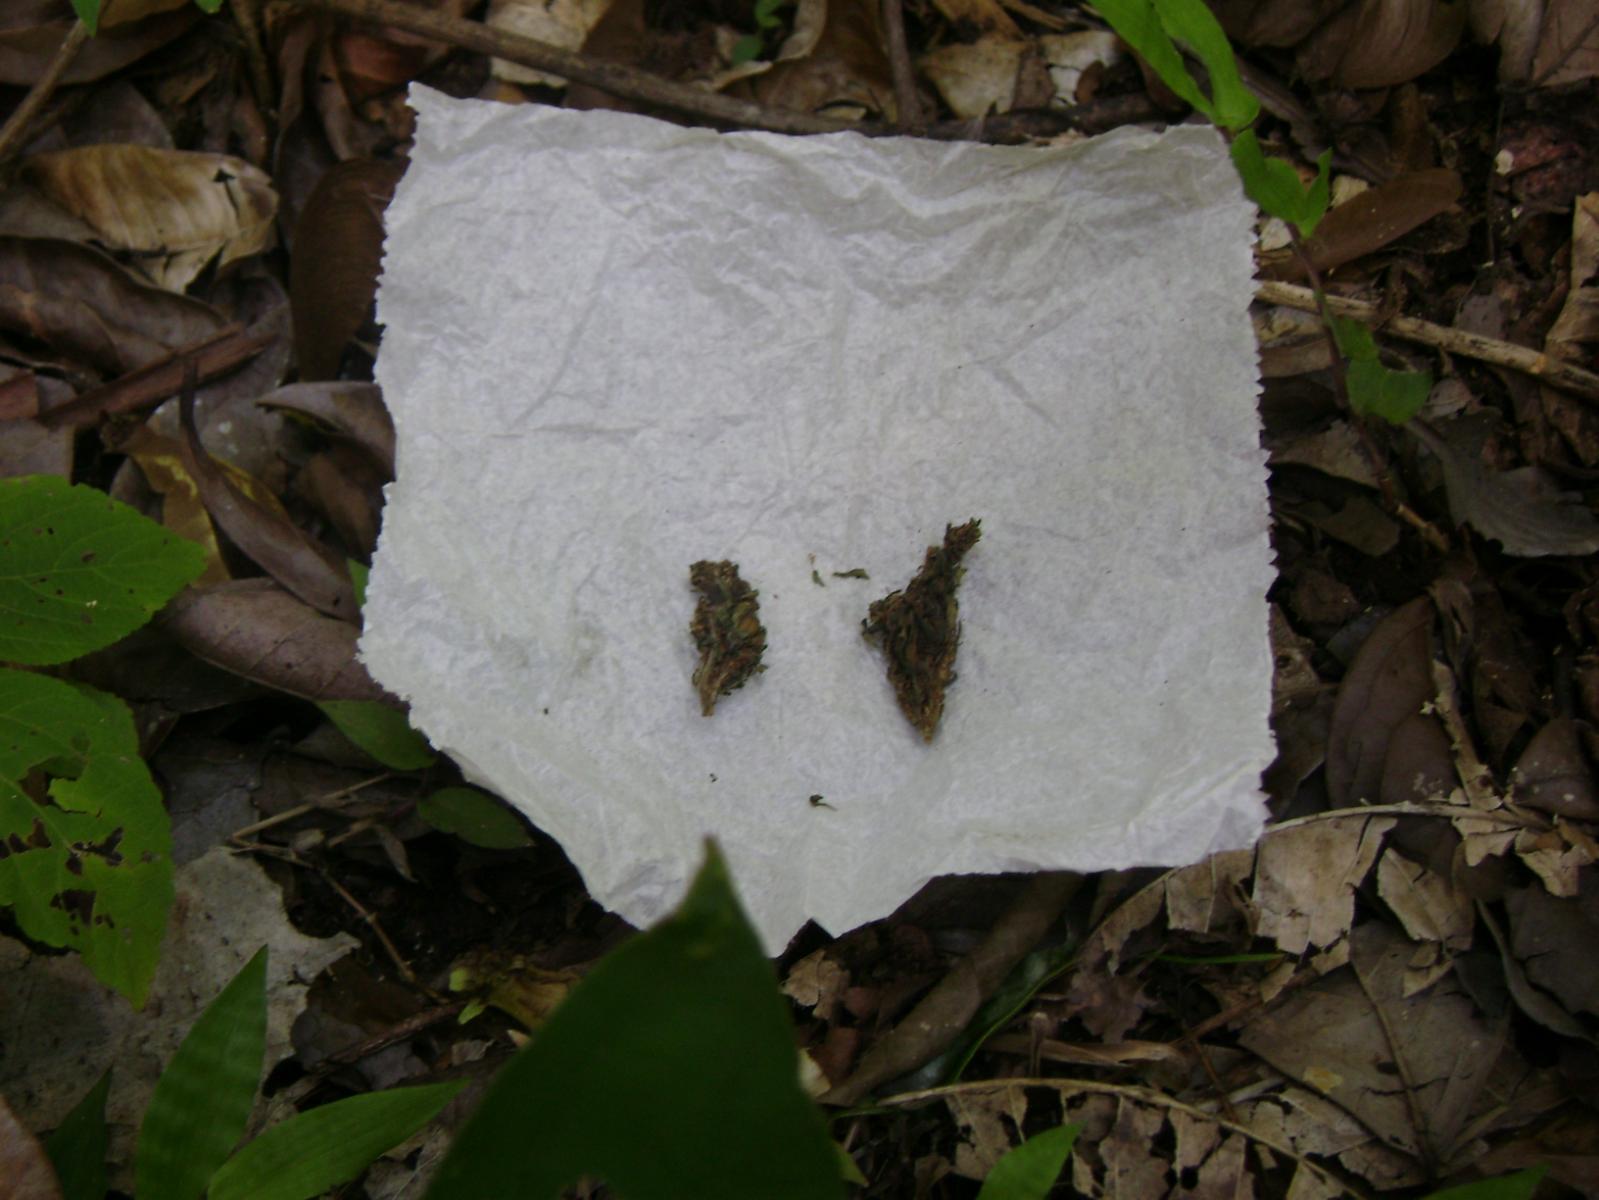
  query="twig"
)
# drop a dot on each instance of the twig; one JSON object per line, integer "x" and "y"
{"x": 371, "y": 920}
{"x": 616, "y": 78}
{"x": 946, "y": 1010}
{"x": 907, "y": 105}
{"x": 13, "y": 134}
{"x": 1553, "y": 371}
{"x": 248, "y": 19}
{"x": 143, "y": 386}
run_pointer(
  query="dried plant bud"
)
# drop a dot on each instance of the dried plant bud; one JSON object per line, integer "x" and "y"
{"x": 727, "y": 630}
{"x": 918, "y": 629}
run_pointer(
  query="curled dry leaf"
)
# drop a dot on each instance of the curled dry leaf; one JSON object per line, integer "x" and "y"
{"x": 300, "y": 563}
{"x": 31, "y": 33}
{"x": 88, "y": 310}
{"x": 1378, "y": 43}
{"x": 256, "y": 629}
{"x": 172, "y": 210}
{"x": 1375, "y": 217}
{"x": 338, "y": 248}
{"x": 352, "y": 409}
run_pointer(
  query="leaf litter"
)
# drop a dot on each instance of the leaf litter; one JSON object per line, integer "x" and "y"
{"x": 1394, "y": 985}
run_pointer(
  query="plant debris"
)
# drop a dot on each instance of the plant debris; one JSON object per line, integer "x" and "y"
{"x": 919, "y": 629}
{"x": 726, "y": 629}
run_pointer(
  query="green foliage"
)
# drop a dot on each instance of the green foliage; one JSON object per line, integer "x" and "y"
{"x": 751, "y": 44}
{"x": 202, "y": 1101}
{"x": 1519, "y": 1186}
{"x": 320, "y": 1149}
{"x": 381, "y": 731}
{"x": 1028, "y": 1171}
{"x": 87, "y": 843}
{"x": 79, "y": 571}
{"x": 1275, "y": 186}
{"x": 475, "y": 817}
{"x": 1374, "y": 389}
{"x": 77, "y": 1147}
{"x": 1154, "y": 27}
{"x": 669, "y": 1073}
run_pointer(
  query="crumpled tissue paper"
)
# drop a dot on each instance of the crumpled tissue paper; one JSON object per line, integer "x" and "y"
{"x": 615, "y": 346}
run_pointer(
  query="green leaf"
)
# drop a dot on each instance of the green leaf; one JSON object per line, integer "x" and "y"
{"x": 475, "y": 817}
{"x": 78, "y": 1146}
{"x": 359, "y": 572}
{"x": 1274, "y": 185}
{"x": 209, "y": 6}
{"x": 381, "y": 731}
{"x": 669, "y": 1073}
{"x": 1138, "y": 24}
{"x": 202, "y": 1101}
{"x": 1193, "y": 24}
{"x": 89, "y": 13}
{"x": 1031, "y": 1169}
{"x": 745, "y": 49}
{"x": 78, "y": 570}
{"x": 320, "y": 1149}
{"x": 90, "y": 861}
{"x": 1376, "y": 390}
{"x": 1519, "y": 1186}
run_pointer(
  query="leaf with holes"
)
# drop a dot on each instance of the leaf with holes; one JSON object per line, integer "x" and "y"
{"x": 78, "y": 570}
{"x": 85, "y": 843}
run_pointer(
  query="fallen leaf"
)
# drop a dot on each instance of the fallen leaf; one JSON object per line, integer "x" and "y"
{"x": 561, "y": 23}
{"x": 1375, "y": 217}
{"x": 846, "y": 69}
{"x": 984, "y": 16}
{"x": 31, "y": 33}
{"x": 1553, "y": 774}
{"x": 1378, "y": 43}
{"x": 1428, "y": 905}
{"x": 173, "y": 211}
{"x": 338, "y": 248}
{"x": 87, "y": 309}
{"x": 1568, "y": 44}
{"x": 990, "y": 1122}
{"x": 25, "y": 1170}
{"x": 976, "y": 78}
{"x": 350, "y": 408}
{"x": 255, "y": 629}
{"x": 300, "y": 563}
{"x": 1520, "y": 509}
{"x": 1306, "y": 876}
{"x": 1554, "y": 937}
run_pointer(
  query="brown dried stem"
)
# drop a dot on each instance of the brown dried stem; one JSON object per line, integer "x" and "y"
{"x": 907, "y": 104}
{"x": 14, "y": 133}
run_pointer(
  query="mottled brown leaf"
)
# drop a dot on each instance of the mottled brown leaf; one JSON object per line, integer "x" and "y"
{"x": 254, "y": 628}
{"x": 1378, "y": 43}
{"x": 31, "y": 32}
{"x": 173, "y": 211}
{"x": 351, "y": 409}
{"x": 1379, "y": 215}
{"x": 338, "y": 248}
{"x": 87, "y": 309}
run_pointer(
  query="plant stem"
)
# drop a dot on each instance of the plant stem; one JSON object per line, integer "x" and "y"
{"x": 13, "y": 134}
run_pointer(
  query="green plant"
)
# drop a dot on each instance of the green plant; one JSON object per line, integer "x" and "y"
{"x": 669, "y": 1072}
{"x": 750, "y": 45}
{"x": 201, "y": 1106}
{"x": 1029, "y": 1171}
{"x": 1154, "y": 29}
{"x": 89, "y": 10}
{"x": 85, "y": 843}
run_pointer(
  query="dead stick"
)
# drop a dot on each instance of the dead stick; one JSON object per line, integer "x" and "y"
{"x": 616, "y": 78}
{"x": 1552, "y": 371}
{"x": 143, "y": 386}
{"x": 906, "y": 102}
{"x": 13, "y": 133}
{"x": 947, "y": 1010}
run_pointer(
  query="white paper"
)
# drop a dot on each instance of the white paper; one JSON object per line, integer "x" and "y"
{"x": 615, "y": 346}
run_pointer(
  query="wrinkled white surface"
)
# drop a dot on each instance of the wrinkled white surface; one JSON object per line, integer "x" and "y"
{"x": 615, "y": 346}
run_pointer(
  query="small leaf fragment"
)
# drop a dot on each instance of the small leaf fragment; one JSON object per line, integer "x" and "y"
{"x": 78, "y": 1145}
{"x": 1029, "y": 1171}
{"x": 381, "y": 731}
{"x": 727, "y": 631}
{"x": 475, "y": 817}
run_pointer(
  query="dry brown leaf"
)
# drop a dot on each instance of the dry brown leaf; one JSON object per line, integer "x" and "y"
{"x": 173, "y": 211}
{"x": 1388, "y": 682}
{"x": 265, "y": 533}
{"x": 976, "y": 78}
{"x": 847, "y": 68}
{"x": 1306, "y": 876}
{"x": 1378, "y": 43}
{"x": 1429, "y": 906}
{"x": 90, "y": 311}
{"x": 338, "y": 248}
{"x": 1556, "y": 860}
{"x": 1553, "y": 774}
{"x": 350, "y": 408}
{"x": 123, "y": 12}
{"x": 31, "y": 33}
{"x": 981, "y": 16}
{"x": 342, "y": 484}
{"x": 1578, "y": 322}
{"x": 1514, "y": 24}
{"x": 1554, "y": 937}
{"x": 990, "y": 1122}
{"x": 1280, "y": 23}
{"x": 1377, "y": 216}
{"x": 253, "y": 628}
{"x": 1568, "y": 44}
{"x": 1520, "y": 509}
{"x": 25, "y": 1170}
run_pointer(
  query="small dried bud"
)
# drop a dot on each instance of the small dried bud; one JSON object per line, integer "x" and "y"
{"x": 727, "y": 631}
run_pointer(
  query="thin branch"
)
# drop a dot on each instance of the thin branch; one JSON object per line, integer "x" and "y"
{"x": 616, "y": 78}
{"x": 1552, "y": 371}
{"x": 13, "y": 134}
{"x": 908, "y": 106}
